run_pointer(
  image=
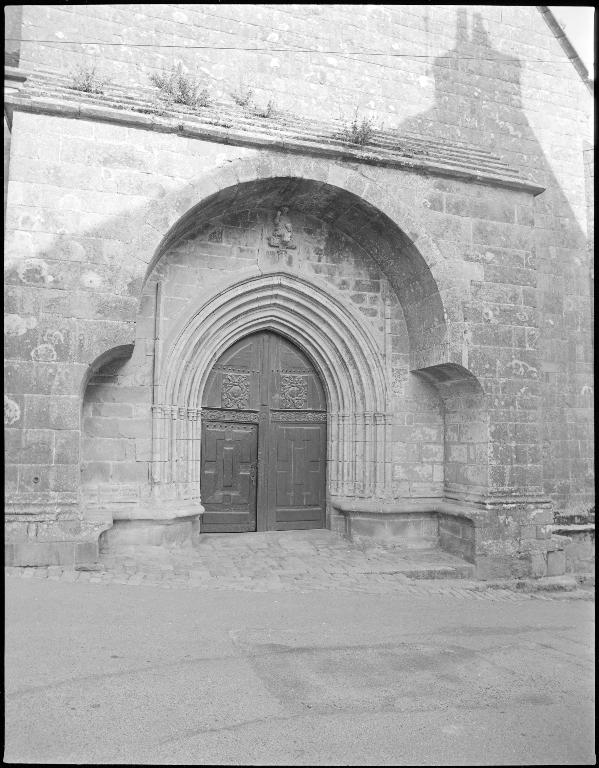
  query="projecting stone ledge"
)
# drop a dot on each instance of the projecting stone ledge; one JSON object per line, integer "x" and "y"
{"x": 223, "y": 123}
{"x": 165, "y": 524}
{"x": 409, "y": 523}
{"x": 461, "y": 529}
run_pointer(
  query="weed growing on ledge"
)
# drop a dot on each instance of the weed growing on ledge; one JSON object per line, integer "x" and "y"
{"x": 85, "y": 78}
{"x": 243, "y": 96}
{"x": 270, "y": 110}
{"x": 179, "y": 88}
{"x": 358, "y": 132}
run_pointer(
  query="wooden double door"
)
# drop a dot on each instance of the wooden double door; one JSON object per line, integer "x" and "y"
{"x": 263, "y": 439}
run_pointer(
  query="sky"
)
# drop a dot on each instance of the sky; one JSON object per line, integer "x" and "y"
{"x": 579, "y": 25}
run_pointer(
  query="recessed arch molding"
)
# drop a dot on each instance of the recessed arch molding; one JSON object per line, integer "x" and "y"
{"x": 346, "y": 356}
{"x": 429, "y": 292}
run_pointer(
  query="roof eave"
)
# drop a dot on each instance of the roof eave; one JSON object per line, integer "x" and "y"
{"x": 565, "y": 43}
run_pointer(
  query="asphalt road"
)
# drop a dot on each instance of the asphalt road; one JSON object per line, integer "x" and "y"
{"x": 98, "y": 673}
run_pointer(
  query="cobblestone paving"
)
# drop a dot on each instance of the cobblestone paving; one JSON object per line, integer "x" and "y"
{"x": 289, "y": 561}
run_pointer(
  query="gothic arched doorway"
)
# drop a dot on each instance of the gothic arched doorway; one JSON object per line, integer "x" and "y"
{"x": 263, "y": 439}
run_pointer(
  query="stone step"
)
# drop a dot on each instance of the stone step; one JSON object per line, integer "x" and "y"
{"x": 426, "y": 563}
{"x": 428, "y": 571}
{"x": 465, "y": 571}
{"x": 279, "y": 555}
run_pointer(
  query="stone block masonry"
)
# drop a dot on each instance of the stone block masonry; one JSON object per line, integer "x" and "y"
{"x": 473, "y": 294}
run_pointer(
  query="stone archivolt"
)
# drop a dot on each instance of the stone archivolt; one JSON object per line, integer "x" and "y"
{"x": 347, "y": 358}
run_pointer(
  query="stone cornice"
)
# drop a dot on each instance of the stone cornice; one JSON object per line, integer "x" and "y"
{"x": 476, "y": 166}
{"x": 14, "y": 79}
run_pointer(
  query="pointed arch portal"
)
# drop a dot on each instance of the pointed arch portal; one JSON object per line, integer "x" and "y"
{"x": 263, "y": 455}
{"x": 338, "y": 355}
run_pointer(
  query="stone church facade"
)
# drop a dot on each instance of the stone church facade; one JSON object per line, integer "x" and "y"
{"x": 233, "y": 318}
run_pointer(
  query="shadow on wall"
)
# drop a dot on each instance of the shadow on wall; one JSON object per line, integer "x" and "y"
{"x": 478, "y": 100}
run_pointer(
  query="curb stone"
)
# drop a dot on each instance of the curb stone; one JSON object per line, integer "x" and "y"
{"x": 566, "y": 583}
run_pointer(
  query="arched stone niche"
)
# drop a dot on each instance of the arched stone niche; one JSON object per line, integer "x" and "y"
{"x": 466, "y": 431}
{"x": 113, "y": 404}
{"x": 384, "y": 229}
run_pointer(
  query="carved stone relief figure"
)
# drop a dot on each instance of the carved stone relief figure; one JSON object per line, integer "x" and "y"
{"x": 282, "y": 236}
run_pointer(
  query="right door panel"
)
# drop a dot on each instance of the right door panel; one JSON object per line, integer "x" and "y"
{"x": 296, "y": 478}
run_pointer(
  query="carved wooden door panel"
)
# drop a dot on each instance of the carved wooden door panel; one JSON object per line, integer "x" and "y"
{"x": 296, "y": 488}
{"x": 297, "y": 440}
{"x": 229, "y": 454}
{"x": 266, "y": 386}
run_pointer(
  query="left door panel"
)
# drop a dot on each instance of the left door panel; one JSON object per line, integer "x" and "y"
{"x": 229, "y": 460}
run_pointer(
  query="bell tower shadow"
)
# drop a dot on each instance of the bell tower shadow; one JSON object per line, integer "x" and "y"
{"x": 479, "y": 101}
